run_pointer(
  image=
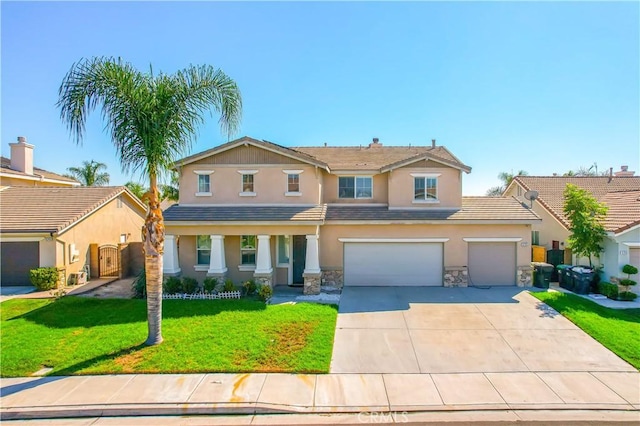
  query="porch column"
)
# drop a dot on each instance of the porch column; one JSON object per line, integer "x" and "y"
{"x": 312, "y": 274}
{"x": 263, "y": 274}
{"x": 171, "y": 266}
{"x": 217, "y": 263}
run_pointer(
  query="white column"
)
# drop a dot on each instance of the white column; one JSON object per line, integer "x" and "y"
{"x": 312, "y": 261}
{"x": 170, "y": 256}
{"x": 217, "y": 263}
{"x": 263, "y": 256}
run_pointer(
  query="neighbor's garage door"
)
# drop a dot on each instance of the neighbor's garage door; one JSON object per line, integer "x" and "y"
{"x": 18, "y": 258}
{"x": 492, "y": 263}
{"x": 393, "y": 264}
{"x": 634, "y": 259}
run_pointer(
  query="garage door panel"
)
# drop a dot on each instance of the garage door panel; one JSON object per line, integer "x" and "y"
{"x": 492, "y": 263}
{"x": 18, "y": 258}
{"x": 393, "y": 264}
{"x": 634, "y": 259}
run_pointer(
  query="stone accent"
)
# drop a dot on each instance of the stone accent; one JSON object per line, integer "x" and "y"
{"x": 263, "y": 279}
{"x": 311, "y": 283}
{"x": 525, "y": 276}
{"x": 456, "y": 276}
{"x": 333, "y": 278}
{"x": 220, "y": 277}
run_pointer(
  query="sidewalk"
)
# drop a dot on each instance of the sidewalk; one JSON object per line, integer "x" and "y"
{"x": 583, "y": 393}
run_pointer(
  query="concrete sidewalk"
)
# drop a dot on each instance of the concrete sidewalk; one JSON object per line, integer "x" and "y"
{"x": 207, "y": 394}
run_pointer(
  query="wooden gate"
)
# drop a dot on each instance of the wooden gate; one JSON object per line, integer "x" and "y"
{"x": 108, "y": 256}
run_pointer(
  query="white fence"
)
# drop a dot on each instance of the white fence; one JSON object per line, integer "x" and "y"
{"x": 203, "y": 296}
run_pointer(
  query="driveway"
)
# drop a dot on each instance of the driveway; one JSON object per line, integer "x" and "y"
{"x": 459, "y": 330}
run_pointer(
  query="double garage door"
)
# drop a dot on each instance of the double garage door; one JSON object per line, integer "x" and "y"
{"x": 18, "y": 258}
{"x": 421, "y": 264}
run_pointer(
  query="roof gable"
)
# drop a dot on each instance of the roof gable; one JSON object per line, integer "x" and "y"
{"x": 5, "y": 168}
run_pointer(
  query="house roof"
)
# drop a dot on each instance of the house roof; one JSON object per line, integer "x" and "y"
{"x": 27, "y": 209}
{"x": 5, "y": 168}
{"x": 473, "y": 209}
{"x": 551, "y": 188}
{"x": 624, "y": 210}
{"x": 178, "y": 213}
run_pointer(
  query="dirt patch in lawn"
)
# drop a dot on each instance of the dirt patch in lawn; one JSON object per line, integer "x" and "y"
{"x": 287, "y": 340}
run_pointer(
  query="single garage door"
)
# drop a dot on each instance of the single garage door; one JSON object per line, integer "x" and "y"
{"x": 634, "y": 259}
{"x": 492, "y": 263}
{"x": 393, "y": 264}
{"x": 18, "y": 258}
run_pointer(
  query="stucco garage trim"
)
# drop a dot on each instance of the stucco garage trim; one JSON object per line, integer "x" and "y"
{"x": 492, "y": 240}
{"x": 393, "y": 240}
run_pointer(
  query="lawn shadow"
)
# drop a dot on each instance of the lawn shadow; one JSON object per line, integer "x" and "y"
{"x": 30, "y": 384}
{"x": 75, "y": 368}
{"x": 74, "y": 311}
{"x": 564, "y": 302}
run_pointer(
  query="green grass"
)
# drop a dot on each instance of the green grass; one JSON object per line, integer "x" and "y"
{"x": 616, "y": 329}
{"x": 76, "y": 335}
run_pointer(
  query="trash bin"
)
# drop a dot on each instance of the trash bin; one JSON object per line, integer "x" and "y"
{"x": 567, "y": 278}
{"x": 560, "y": 270}
{"x": 582, "y": 278}
{"x": 555, "y": 257}
{"x": 542, "y": 274}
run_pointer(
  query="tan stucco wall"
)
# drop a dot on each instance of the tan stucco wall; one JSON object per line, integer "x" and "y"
{"x": 401, "y": 187}
{"x": 270, "y": 184}
{"x": 242, "y": 230}
{"x": 102, "y": 227}
{"x": 7, "y": 181}
{"x": 455, "y": 250}
{"x": 48, "y": 252}
{"x": 379, "y": 186}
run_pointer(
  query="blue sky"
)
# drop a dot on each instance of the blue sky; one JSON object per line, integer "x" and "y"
{"x": 543, "y": 87}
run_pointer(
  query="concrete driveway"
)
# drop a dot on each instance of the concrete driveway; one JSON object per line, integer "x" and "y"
{"x": 459, "y": 330}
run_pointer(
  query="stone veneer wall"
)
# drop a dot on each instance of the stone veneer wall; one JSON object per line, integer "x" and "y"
{"x": 456, "y": 276}
{"x": 263, "y": 279}
{"x": 525, "y": 276}
{"x": 333, "y": 277}
{"x": 311, "y": 283}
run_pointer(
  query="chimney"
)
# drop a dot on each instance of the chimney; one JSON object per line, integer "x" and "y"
{"x": 433, "y": 143}
{"x": 624, "y": 171}
{"x": 22, "y": 156}
{"x": 375, "y": 144}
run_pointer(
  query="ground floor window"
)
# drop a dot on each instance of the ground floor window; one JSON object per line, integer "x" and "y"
{"x": 248, "y": 249}
{"x": 203, "y": 248}
{"x": 284, "y": 247}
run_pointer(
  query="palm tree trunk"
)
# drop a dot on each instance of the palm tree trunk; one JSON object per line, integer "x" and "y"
{"x": 153, "y": 245}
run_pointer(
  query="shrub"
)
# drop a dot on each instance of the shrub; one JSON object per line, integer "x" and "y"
{"x": 190, "y": 285}
{"x": 629, "y": 269}
{"x": 250, "y": 287}
{"x": 228, "y": 285}
{"x": 210, "y": 284}
{"x": 628, "y": 282}
{"x": 172, "y": 285}
{"x": 265, "y": 292}
{"x": 139, "y": 286}
{"x": 44, "y": 278}
{"x": 608, "y": 289}
{"x": 627, "y": 296}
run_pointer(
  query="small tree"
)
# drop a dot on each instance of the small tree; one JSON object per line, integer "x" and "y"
{"x": 628, "y": 282}
{"x": 586, "y": 216}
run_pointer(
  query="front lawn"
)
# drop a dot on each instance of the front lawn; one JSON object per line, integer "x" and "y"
{"x": 76, "y": 335}
{"x": 616, "y": 329}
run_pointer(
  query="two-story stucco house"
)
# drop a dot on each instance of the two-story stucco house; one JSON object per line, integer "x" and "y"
{"x": 372, "y": 215}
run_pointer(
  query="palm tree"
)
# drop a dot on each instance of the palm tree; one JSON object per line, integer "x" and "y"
{"x": 506, "y": 179}
{"x": 137, "y": 189}
{"x": 90, "y": 174}
{"x": 152, "y": 121}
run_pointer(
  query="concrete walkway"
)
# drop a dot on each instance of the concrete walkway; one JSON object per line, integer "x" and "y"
{"x": 199, "y": 394}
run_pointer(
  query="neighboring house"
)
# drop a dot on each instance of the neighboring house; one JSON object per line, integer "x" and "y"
{"x": 620, "y": 192}
{"x": 67, "y": 228}
{"x": 20, "y": 171}
{"x": 353, "y": 216}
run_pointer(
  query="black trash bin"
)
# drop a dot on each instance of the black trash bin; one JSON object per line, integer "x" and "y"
{"x": 567, "y": 278}
{"x": 542, "y": 275}
{"x": 555, "y": 258}
{"x": 561, "y": 269}
{"x": 582, "y": 278}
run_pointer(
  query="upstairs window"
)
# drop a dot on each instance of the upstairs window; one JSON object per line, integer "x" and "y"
{"x": 248, "y": 249}
{"x": 425, "y": 188}
{"x": 247, "y": 183}
{"x": 203, "y": 249}
{"x": 355, "y": 187}
{"x": 293, "y": 182}
{"x": 204, "y": 184}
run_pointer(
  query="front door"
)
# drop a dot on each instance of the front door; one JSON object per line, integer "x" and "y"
{"x": 299, "y": 257}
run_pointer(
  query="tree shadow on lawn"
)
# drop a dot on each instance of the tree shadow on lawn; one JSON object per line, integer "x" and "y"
{"x": 568, "y": 303}
{"x": 73, "y": 312}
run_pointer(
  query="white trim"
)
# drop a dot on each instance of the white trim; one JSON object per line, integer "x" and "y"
{"x": 20, "y": 239}
{"x": 429, "y": 201}
{"x": 393, "y": 240}
{"x": 248, "y": 172}
{"x": 292, "y": 172}
{"x": 633, "y": 228}
{"x": 201, "y": 268}
{"x": 278, "y": 264}
{"x": 420, "y": 174}
{"x": 293, "y": 194}
{"x": 493, "y": 240}
{"x": 246, "y": 194}
{"x": 426, "y": 157}
{"x": 355, "y": 189}
{"x": 632, "y": 245}
{"x": 348, "y": 173}
{"x": 203, "y": 172}
{"x": 261, "y": 205}
{"x": 204, "y": 194}
{"x": 246, "y": 268}
{"x": 39, "y": 178}
{"x": 426, "y": 200}
{"x": 429, "y": 222}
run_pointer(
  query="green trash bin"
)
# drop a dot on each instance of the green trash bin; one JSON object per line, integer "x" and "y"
{"x": 567, "y": 278}
{"x": 542, "y": 275}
